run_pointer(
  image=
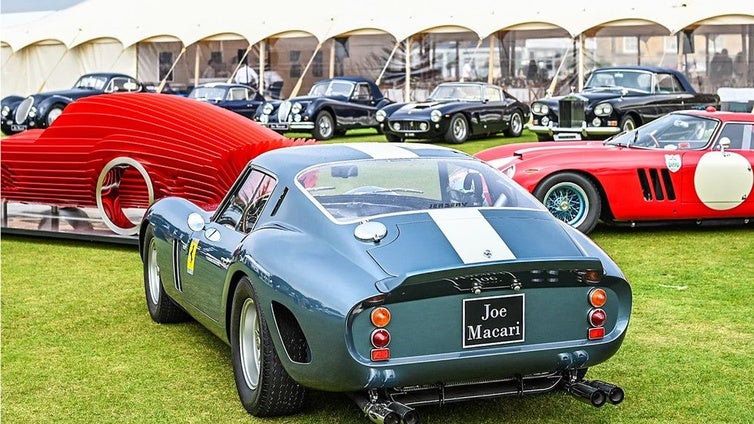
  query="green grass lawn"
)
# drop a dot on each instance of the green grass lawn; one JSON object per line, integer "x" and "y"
{"x": 78, "y": 345}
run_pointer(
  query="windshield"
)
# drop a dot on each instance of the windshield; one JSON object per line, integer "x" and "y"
{"x": 457, "y": 92}
{"x": 208, "y": 93}
{"x": 350, "y": 191}
{"x": 670, "y": 132}
{"x": 333, "y": 88}
{"x": 640, "y": 81}
{"x": 91, "y": 82}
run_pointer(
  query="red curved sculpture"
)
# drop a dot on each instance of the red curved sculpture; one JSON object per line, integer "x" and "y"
{"x": 124, "y": 150}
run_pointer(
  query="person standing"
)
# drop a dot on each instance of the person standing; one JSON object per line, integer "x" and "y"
{"x": 246, "y": 75}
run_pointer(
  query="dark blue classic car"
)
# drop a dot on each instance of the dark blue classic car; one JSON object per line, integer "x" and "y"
{"x": 39, "y": 110}
{"x": 456, "y": 112}
{"x": 238, "y": 98}
{"x": 400, "y": 274}
{"x": 332, "y": 107}
{"x": 616, "y": 99}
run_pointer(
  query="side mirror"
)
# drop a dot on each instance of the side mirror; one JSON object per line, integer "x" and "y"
{"x": 724, "y": 144}
{"x": 195, "y": 222}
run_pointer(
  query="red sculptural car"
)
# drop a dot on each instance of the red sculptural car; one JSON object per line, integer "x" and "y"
{"x": 123, "y": 151}
{"x": 693, "y": 166}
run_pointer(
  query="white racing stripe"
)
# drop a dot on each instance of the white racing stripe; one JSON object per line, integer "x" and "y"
{"x": 472, "y": 237}
{"x": 383, "y": 151}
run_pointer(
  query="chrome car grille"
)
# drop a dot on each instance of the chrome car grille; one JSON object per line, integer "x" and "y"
{"x": 409, "y": 126}
{"x": 22, "y": 111}
{"x": 283, "y": 111}
{"x": 571, "y": 112}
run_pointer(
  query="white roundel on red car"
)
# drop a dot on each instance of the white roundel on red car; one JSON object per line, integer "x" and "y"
{"x": 723, "y": 180}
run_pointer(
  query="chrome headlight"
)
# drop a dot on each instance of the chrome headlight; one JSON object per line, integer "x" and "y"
{"x": 435, "y": 115}
{"x": 603, "y": 109}
{"x": 539, "y": 109}
{"x": 297, "y": 108}
{"x": 5, "y": 111}
{"x": 380, "y": 115}
{"x": 267, "y": 108}
{"x": 33, "y": 112}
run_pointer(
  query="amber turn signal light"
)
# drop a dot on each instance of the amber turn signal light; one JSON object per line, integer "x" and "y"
{"x": 380, "y": 317}
{"x": 597, "y": 297}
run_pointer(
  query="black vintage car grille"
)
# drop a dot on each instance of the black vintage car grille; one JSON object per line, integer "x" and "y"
{"x": 409, "y": 126}
{"x": 656, "y": 184}
{"x": 571, "y": 110}
{"x": 22, "y": 111}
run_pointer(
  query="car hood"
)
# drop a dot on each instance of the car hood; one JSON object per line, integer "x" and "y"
{"x": 420, "y": 107}
{"x": 73, "y": 93}
{"x": 496, "y": 155}
{"x": 591, "y": 97}
{"x": 453, "y": 238}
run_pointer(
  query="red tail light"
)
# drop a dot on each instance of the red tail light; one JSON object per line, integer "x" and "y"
{"x": 597, "y": 317}
{"x": 380, "y": 338}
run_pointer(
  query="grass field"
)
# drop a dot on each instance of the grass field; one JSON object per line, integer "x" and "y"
{"x": 78, "y": 345}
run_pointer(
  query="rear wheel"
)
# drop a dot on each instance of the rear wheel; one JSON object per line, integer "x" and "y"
{"x": 161, "y": 307}
{"x": 572, "y": 198}
{"x": 263, "y": 385}
{"x": 516, "y": 125}
{"x": 458, "y": 131}
{"x": 324, "y": 126}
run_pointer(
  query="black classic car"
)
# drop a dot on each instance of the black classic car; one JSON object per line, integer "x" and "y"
{"x": 332, "y": 107}
{"x": 238, "y": 98}
{"x": 616, "y": 99}
{"x": 455, "y": 112}
{"x": 39, "y": 110}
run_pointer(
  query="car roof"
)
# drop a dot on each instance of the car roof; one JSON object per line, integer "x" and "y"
{"x": 289, "y": 161}
{"x": 724, "y": 116}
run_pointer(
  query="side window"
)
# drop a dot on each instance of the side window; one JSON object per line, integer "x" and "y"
{"x": 244, "y": 207}
{"x": 667, "y": 83}
{"x": 740, "y": 136}
{"x": 492, "y": 94}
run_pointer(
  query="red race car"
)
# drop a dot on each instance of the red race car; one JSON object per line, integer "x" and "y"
{"x": 121, "y": 152}
{"x": 693, "y": 166}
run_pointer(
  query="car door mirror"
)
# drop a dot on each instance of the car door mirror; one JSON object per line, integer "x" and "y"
{"x": 195, "y": 222}
{"x": 724, "y": 144}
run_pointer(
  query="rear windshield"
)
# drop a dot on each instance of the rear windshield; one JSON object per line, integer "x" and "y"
{"x": 356, "y": 190}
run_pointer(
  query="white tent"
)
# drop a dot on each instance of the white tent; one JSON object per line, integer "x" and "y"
{"x": 55, "y": 48}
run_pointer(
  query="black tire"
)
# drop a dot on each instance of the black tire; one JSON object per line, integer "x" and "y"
{"x": 263, "y": 385}
{"x": 324, "y": 126}
{"x": 628, "y": 123}
{"x": 161, "y": 307}
{"x": 394, "y": 138}
{"x": 55, "y": 111}
{"x": 458, "y": 130}
{"x": 572, "y": 198}
{"x": 516, "y": 125}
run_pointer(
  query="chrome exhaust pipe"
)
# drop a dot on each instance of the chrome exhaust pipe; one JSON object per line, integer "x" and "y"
{"x": 614, "y": 393}
{"x": 378, "y": 413}
{"x": 408, "y": 415}
{"x": 587, "y": 393}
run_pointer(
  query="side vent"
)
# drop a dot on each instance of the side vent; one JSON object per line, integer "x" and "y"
{"x": 656, "y": 185}
{"x": 177, "y": 265}
{"x": 291, "y": 334}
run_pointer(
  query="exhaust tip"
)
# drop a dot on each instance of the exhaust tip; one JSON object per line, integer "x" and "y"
{"x": 587, "y": 393}
{"x": 408, "y": 415}
{"x": 614, "y": 393}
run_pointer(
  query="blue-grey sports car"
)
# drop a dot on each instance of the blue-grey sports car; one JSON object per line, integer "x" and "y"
{"x": 403, "y": 275}
{"x": 454, "y": 113}
{"x": 41, "y": 109}
{"x": 332, "y": 107}
{"x": 238, "y": 98}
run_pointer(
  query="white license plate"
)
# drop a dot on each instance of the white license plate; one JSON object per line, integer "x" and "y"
{"x": 278, "y": 126}
{"x": 493, "y": 320}
{"x": 16, "y": 127}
